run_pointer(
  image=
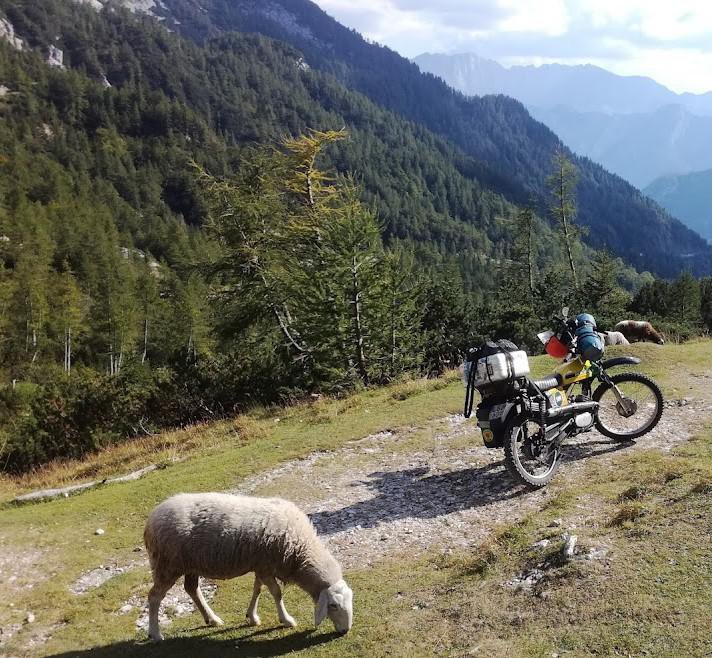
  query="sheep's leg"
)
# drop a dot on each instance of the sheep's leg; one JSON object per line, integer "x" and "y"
{"x": 192, "y": 586}
{"x": 161, "y": 585}
{"x": 276, "y": 591}
{"x": 252, "y": 616}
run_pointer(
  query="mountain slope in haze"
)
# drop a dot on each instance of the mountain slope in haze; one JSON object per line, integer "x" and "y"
{"x": 495, "y": 130}
{"x": 631, "y": 125}
{"x": 688, "y": 197}
{"x": 584, "y": 88}
{"x": 638, "y": 147}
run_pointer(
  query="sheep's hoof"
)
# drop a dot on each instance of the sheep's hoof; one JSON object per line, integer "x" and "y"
{"x": 254, "y": 620}
{"x": 215, "y": 621}
{"x": 289, "y": 622}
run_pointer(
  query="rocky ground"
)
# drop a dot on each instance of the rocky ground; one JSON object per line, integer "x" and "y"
{"x": 373, "y": 499}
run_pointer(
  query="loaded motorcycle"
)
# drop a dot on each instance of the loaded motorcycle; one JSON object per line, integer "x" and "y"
{"x": 531, "y": 419}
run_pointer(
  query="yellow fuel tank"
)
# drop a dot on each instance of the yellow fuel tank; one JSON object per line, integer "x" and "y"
{"x": 573, "y": 371}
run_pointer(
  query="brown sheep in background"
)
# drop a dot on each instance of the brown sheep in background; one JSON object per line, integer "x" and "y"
{"x": 635, "y": 330}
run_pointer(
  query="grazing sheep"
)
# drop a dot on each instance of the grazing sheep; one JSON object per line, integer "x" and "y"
{"x": 638, "y": 330}
{"x": 224, "y": 536}
{"x": 613, "y": 338}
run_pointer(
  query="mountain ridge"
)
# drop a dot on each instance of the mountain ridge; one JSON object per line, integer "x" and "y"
{"x": 639, "y": 147}
{"x": 583, "y": 87}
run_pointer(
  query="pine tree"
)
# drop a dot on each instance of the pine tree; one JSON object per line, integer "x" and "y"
{"x": 604, "y": 295}
{"x": 685, "y": 298}
{"x": 397, "y": 329}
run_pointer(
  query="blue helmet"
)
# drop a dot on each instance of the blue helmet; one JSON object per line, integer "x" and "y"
{"x": 583, "y": 319}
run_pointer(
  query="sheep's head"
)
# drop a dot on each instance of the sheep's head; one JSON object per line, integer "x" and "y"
{"x": 336, "y": 602}
{"x": 654, "y": 337}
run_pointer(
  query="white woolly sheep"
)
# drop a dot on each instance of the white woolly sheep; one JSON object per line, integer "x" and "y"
{"x": 223, "y": 536}
{"x": 613, "y": 338}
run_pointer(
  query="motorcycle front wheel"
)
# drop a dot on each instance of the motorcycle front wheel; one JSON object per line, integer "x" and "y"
{"x": 527, "y": 460}
{"x": 635, "y": 413}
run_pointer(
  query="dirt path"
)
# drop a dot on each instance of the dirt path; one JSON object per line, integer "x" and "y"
{"x": 376, "y": 497}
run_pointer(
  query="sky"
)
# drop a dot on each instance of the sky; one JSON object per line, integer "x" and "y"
{"x": 669, "y": 41}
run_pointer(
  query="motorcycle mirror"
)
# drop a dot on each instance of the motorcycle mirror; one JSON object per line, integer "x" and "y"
{"x": 545, "y": 336}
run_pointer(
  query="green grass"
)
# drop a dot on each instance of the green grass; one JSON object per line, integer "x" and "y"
{"x": 648, "y": 596}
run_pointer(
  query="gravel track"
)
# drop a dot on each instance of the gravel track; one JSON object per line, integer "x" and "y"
{"x": 370, "y": 500}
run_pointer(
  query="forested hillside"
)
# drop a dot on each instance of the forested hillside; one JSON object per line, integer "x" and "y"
{"x": 105, "y": 252}
{"x": 496, "y": 130}
{"x": 244, "y": 90}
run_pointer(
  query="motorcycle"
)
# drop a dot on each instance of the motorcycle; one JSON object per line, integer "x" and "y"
{"x": 532, "y": 419}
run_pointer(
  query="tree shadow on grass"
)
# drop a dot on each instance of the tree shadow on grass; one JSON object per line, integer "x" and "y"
{"x": 412, "y": 493}
{"x": 209, "y": 643}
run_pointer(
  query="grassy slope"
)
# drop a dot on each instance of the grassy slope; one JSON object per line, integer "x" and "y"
{"x": 652, "y": 512}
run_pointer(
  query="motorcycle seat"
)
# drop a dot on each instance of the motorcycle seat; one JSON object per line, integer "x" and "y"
{"x": 548, "y": 383}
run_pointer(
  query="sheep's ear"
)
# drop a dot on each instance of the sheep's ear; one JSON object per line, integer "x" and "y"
{"x": 321, "y": 607}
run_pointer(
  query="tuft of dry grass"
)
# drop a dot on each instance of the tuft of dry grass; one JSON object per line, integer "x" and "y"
{"x": 132, "y": 454}
{"x": 636, "y": 492}
{"x": 627, "y": 514}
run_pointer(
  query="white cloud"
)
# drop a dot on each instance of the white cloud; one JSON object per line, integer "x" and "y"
{"x": 547, "y": 17}
{"x": 668, "y": 41}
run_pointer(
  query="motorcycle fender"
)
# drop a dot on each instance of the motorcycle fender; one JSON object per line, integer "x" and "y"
{"x": 493, "y": 420}
{"x": 619, "y": 361}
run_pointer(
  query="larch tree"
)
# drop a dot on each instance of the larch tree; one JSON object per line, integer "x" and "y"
{"x": 562, "y": 186}
{"x": 148, "y": 299}
{"x": 69, "y": 309}
{"x": 350, "y": 252}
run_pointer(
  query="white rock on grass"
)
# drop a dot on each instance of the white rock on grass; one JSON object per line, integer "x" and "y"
{"x": 569, "y": 546}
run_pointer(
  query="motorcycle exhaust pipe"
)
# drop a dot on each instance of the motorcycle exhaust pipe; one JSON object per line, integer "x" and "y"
{"x": 571, "y": 409}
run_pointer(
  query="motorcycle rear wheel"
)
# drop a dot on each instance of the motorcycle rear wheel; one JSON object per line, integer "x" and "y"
{"x": 645, "y": 408}
{"x": 522, "y": 465}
